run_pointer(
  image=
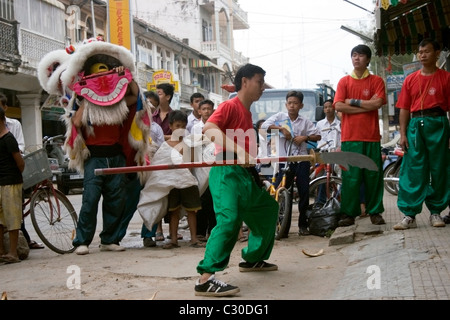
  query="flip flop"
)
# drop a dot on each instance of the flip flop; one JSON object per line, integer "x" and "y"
{"x": 35, "y": 245}
{"x": 159, "y": 236}
{"x": 202, "y": 238}
{"x": 198, "y": 245}
{"x": 179, "y": 236}
{"x": 170, "y": 245}
{"x": 9, "y": 259}
{"x": 243, "y": 238}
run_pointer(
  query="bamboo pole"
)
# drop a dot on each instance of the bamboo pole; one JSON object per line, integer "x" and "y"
{"x": 312, "y": 157}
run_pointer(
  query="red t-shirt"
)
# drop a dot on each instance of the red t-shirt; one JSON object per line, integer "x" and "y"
{"x": 236, "y": 121}
{"x": 105, "y": 135}
{"x": 362, "y": 126}
{"x": 429, "y": 91}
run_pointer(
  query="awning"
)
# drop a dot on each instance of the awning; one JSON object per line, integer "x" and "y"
{"x": 197, "y": 64}
{"x": 402, "y": 24}
{"x": 52, "y": 108}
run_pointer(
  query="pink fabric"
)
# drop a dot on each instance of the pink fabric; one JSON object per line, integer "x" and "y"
{"x": 104, "y": 89}
{"x": 73, "y": 136}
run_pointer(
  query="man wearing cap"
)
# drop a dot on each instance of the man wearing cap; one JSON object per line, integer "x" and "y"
{"x": 358, "y": 97}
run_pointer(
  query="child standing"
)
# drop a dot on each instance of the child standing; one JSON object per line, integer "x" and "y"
{"x": 11, "y": 181}
{"x": 175, "y": 189}
{"x": 206, "y": 217}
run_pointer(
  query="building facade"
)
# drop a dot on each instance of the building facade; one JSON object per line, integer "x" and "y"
{"x": 27, "y": 34}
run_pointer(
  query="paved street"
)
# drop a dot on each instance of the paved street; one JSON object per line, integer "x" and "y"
{"x": 381, "y": 264}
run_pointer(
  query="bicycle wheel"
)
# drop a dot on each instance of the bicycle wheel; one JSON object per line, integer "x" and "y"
{"x": 318, "y": 189}
{"x": 391, "y": 171}
{"x": 56, "y": 230}
{"x": 284, "y": 214}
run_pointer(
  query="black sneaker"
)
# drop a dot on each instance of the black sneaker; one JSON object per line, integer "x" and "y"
{"x": 149, "y": 242}
{"x": 215, "y": 288}
{"x": 446, "y": 219}
{"x": 257, "y": 266}
{"x": 377, "y": 219}
{"x": 346, "y": 221}
{"x": 303, "y": 231}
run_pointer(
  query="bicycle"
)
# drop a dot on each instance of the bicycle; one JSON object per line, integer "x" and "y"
{"x": 283, "y": 194}
{"x": 52, "y": 214}
{"x": 325, "y": 181}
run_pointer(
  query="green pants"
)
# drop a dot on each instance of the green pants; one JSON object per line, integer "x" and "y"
{"x": 354, "y": 177}
{"x": 238, "y": 198}
{"x": 424, "y": 175}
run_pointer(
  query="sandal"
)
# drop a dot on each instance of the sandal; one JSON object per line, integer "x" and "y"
{"x": 198, "y": 245}
{"x": 243, "y": 238}
{"x": 35, "y": 245}
{"x": 159, "y": 236}
{"x": 179, "y": 236}
{"x": 9, "y": 259}
{"x": 170, "y": 245}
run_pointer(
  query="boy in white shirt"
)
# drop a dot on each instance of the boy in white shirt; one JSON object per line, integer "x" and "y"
{"x": 205, "y": 110}
{"x": 298, "y": 130}
{"x": 195, "y": 117}
{"x": 206, "y": 217}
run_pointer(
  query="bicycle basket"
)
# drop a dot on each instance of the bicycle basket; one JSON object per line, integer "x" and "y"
{"x": 37, "y": 168}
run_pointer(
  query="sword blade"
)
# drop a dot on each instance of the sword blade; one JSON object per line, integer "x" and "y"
{"x": 346, "y": 159}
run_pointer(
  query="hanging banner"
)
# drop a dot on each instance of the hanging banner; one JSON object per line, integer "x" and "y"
{"x": 120, "y": 22}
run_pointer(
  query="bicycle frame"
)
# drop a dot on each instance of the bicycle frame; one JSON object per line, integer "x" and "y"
{"x": 46, "y": 184}
{"x": 271, "y": 188}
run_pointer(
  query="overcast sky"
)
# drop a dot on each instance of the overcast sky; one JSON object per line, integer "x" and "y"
{"x": 300, "y": 43}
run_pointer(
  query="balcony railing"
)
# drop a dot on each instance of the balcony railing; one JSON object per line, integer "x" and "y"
{"x": 241, "y": 16}
{"x": 35, "y": 46}
{"x": 9, "y": 44}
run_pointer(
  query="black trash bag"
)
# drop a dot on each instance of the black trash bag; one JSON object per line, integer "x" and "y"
{"x": 323, "y": 218}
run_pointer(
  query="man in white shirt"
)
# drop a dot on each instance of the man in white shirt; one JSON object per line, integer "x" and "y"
{"x": 14, "y": 126}
{"x": 330, "y": 128}
{"x": 194, "y": 117}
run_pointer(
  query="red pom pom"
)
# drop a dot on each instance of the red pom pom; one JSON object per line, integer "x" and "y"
{"x": 70, "y": 49}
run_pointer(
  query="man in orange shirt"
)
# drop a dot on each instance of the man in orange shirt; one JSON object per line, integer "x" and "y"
{"x": 424, "y": 136}
{"x": 358, "y": 97}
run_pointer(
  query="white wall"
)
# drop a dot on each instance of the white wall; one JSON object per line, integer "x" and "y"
{"x": 181, "y": 19}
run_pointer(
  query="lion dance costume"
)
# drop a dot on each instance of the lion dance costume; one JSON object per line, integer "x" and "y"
{"x": 96, "y": 79}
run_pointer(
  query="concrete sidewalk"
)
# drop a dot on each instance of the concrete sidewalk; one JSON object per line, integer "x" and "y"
{"x": 413, "y": 264}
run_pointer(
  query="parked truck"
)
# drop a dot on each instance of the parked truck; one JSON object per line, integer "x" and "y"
{"x": 274, "y": 100}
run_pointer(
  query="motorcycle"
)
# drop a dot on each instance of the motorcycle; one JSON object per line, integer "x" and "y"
{"x": 392, "y": 157}
{"x": 64, "y": 177}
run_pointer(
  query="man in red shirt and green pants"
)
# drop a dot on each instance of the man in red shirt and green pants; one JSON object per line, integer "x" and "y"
{"x": 424, "y": 136}
{"x": 236, "y": 193}
{"x": 358, "y": 97}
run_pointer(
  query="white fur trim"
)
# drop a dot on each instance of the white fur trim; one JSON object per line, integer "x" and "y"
{"x": 85, "y": 51}
{"x": 49, "y": 80}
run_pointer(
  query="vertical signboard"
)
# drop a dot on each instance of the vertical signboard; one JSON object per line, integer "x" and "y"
{"x": 120, "y": 22}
